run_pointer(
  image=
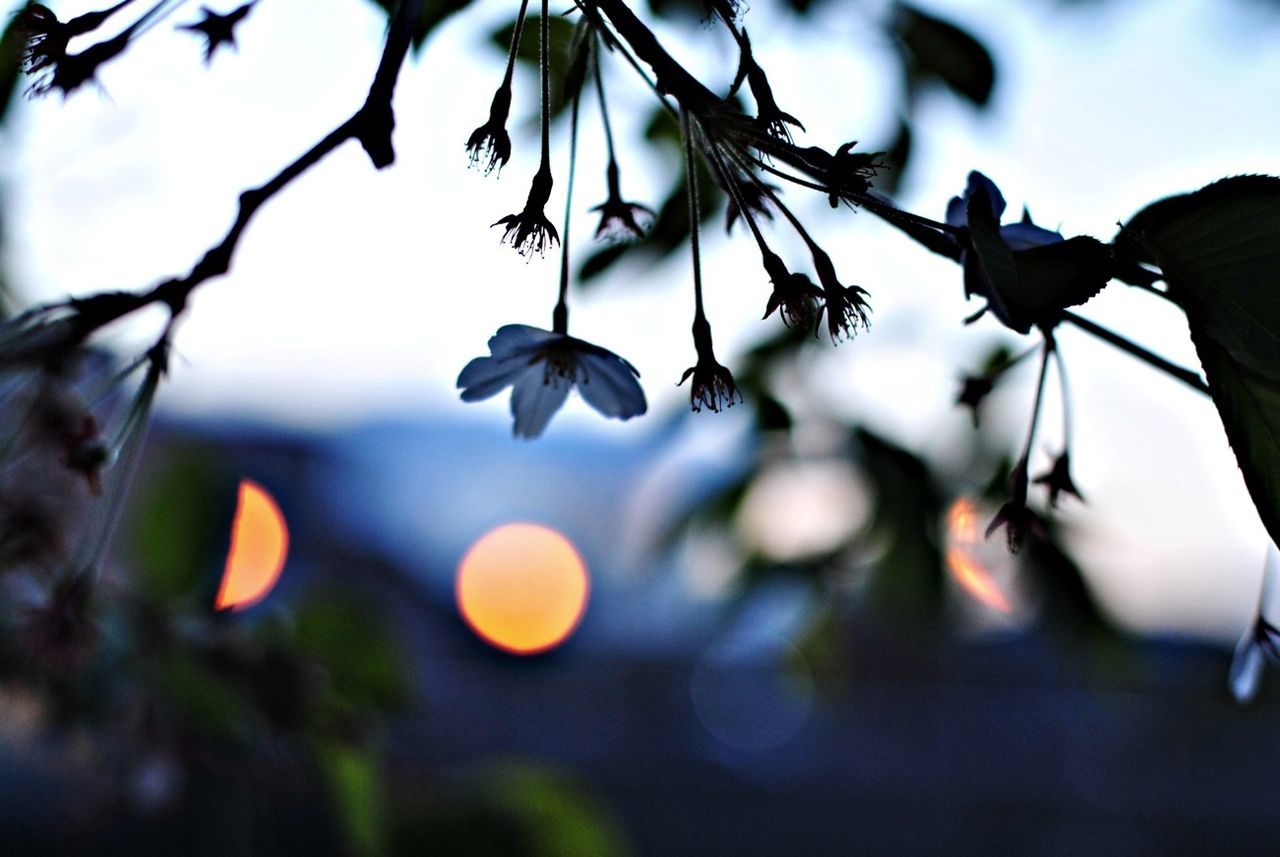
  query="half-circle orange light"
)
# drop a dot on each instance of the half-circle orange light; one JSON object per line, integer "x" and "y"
{"x": 259, "y": 545}
{"x": 523, "y": 588}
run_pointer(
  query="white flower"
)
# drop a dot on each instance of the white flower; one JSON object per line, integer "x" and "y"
{"x": 541, "y": 366}
{"x": 1019, "y": 236}
{"x": 1022, "y": 235}
{"x": 1257, "y": 645}
{"x": 1036, "y": 274}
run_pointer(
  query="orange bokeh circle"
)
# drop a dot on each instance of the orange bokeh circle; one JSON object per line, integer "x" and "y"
{"x": 522, "y": 588}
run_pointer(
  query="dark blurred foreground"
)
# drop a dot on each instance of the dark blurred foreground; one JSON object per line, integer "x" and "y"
{"x": 665, "y": 726}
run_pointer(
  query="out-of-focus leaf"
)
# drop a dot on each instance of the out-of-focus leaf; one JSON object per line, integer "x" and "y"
{"x": 351, "y": 641}
{"x": 908, "y": 508}
{"x": 1069, "y": 606}
{"x": 355, "y": 783}
{"x": 560, "y": 33}
{"x": 895, "y": 158}
{"x": 670, "y": 229}
{"x": 683, "y": 10}
{"x": 181, "y": 526}
{"x": 562, "y": 820}
{"x": 10, "y": 66}
{"x": 211, "y": 704}
{"x": 939, "y": 50}
{"x": 1219, "y": 250}
{"x": 433, "y": 13}
{"x": 771, "y": 415}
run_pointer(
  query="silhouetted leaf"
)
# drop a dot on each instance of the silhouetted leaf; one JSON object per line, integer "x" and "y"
{"x": 1249, "y": 405}
{"x": 10, "y": 66}
{"x": 939, "y": 50}
{"x": 433, "y": 13}
{"x": 907, "y": 509}
{"x": 1219, "y": 250}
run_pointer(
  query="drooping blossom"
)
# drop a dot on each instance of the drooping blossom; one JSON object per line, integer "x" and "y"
{"x": 541, "y": 367}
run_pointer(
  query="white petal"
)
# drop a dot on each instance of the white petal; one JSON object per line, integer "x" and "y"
{"x": 1024, "y": 236}
{"x": 1246, "y": 669}
{"x": 535, "y": 398}
{"x": 609, "y": 385}
{"x": 976, "y": 181}
{"x": 485, "y": 376}
{"x": 512, "y": 350}
{"x": 516, "y": 339}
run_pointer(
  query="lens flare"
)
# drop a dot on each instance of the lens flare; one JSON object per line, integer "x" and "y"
{"x": 964, "y": 537}
{"x": 259, "y": 545}
{"x": 522, "y": 588}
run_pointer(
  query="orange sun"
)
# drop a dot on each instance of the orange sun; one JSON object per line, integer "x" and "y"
{"x": 522, "y": 588}
{"x": 259, "y": 544}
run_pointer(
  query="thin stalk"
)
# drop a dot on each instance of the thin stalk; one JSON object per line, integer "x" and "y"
{"x": 1173, "y": 370}
{"x": 1047, "y": 350}
{"x": 691, "y": 182}
{"x": 515, "y": 45}
{"x": 544, "y": 67}
{"x": 1066, "y": 397}
{"x": 560, "y": 316}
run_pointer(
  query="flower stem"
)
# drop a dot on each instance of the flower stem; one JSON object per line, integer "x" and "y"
{"x": 604, "y": 107}
{"x": 1173, "y": 370}
{"x": 544, "y": 67}
{"x": 560, "y": 316}
{"x": 691, "y": 182}
{"x": 1046, "y": 350}
{"x": 515, "y": 45}
{"x": 732, "y": 185}
{"x": 1066, "y": 398}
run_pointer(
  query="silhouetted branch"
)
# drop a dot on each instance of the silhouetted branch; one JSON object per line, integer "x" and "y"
{"x": 371, "y": 125}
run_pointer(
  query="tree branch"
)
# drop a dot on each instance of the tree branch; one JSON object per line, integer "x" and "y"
{"x": 372, "y": 125}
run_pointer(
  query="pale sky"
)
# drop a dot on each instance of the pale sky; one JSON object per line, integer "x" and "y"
{"x": 356, "y": 293}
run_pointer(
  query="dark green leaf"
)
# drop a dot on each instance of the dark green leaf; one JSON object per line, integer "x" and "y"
{"x": 908, "y": 507}
{"x": 10, "y": 66}
{"x": 894, "y": 158}
{"x": 939, "y": 50}
{"x": 1053, "y": 277}
{"x": 182, "y": 523}
{"x": 351, "y": 641}
{"x": 771, "y": 415}
{"x": 670, "y": 229}
{"x": 560, "y": 33}
{"x": 1249, "y": 405}
{"x": 1219, "y": 251}
{"x": 433, "y": 13}
{"x": 354, "y": 779}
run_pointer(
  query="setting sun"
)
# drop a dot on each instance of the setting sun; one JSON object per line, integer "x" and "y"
{"x": 259, "y": 545}
{"x": 522, "y": 588}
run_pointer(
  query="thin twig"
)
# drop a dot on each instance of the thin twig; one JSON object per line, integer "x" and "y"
{"x": 1173, "y": 370}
